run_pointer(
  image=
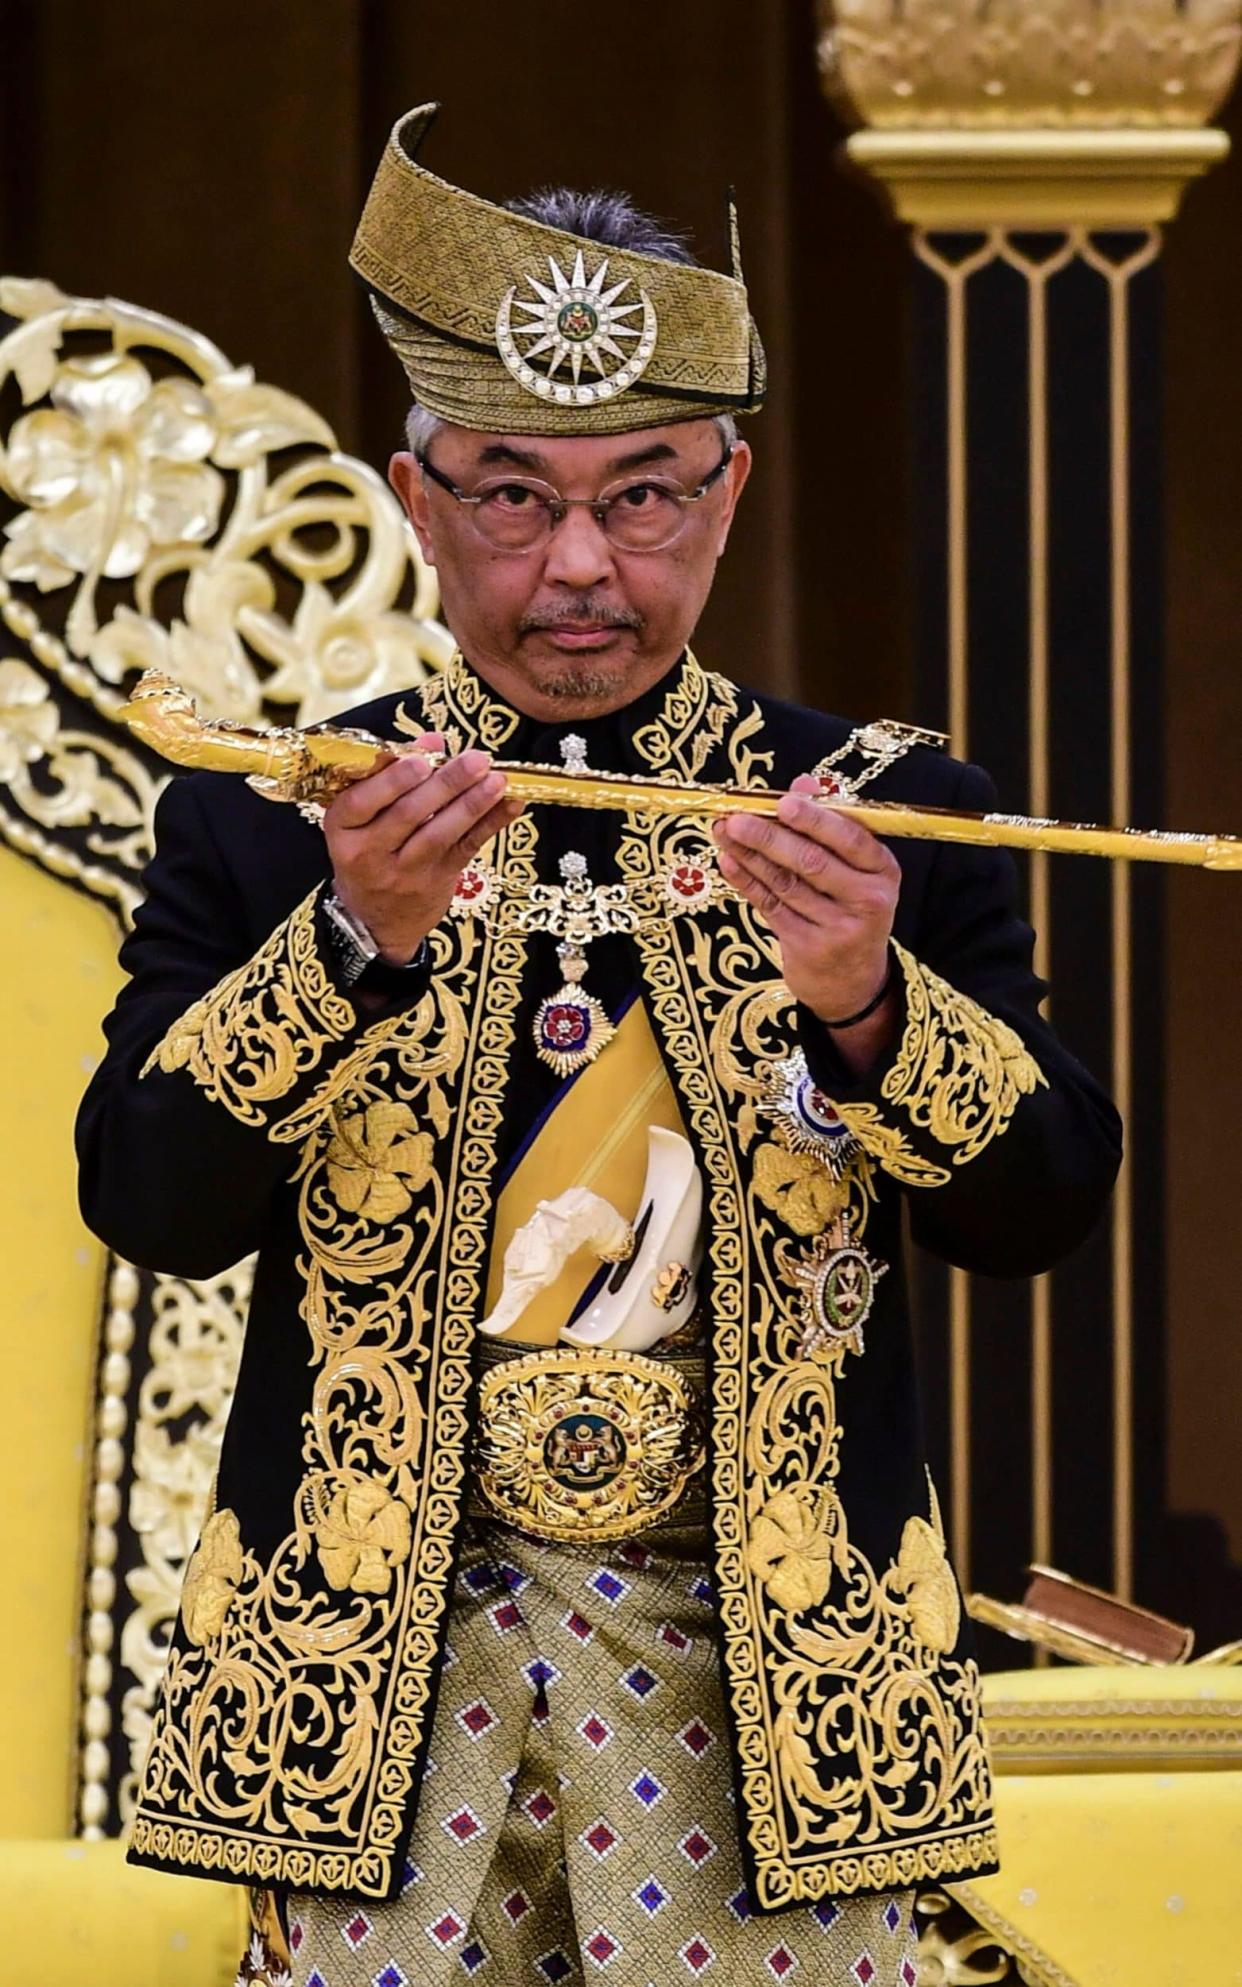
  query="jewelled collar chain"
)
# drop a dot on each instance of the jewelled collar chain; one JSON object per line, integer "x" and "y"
{"x": 570, "y": 1027}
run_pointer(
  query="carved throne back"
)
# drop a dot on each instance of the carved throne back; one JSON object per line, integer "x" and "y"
{"x": 159, "y": 506}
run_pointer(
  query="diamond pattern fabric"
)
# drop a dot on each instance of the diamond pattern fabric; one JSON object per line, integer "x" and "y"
{"x": 577, "y": 1821}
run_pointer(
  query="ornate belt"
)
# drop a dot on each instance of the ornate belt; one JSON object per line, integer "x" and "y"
{"x": 579, "y": 1444}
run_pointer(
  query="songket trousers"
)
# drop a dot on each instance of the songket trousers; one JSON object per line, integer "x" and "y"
{"x": 577, "y": 1816}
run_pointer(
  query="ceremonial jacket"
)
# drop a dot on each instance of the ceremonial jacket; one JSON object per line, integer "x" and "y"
{"x": 246, "y": 1104}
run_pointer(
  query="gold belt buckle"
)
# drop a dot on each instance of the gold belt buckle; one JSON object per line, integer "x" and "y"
{"x": 577, "y": 1443}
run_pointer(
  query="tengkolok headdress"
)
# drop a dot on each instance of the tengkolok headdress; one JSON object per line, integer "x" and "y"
{"x": 504, "y": 324}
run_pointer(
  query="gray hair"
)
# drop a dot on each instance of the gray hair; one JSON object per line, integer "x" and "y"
{"x": 614, "y": 221}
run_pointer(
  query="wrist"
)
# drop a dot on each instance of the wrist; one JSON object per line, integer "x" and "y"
{"x": 842, "y": 1016}
{"x": 356, "y": 954}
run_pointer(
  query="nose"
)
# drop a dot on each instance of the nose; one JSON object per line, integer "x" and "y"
{"x": 578, "y": 553}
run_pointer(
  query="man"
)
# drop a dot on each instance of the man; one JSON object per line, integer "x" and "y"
{"x": 573, "y": 1597}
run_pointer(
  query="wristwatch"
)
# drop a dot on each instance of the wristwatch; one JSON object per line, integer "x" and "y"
{"x": 353, "y": 951}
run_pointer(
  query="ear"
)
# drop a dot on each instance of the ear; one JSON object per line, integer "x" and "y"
{"x": 740, "y": 463}
{"x": 406, "y": 479}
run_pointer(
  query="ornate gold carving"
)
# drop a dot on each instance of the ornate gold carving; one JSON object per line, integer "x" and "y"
{"x": 1024, "y": 63}
{"x": 111, "y": 1417}
{"x": 151, "y": 473}
{"x": 955, "y": 1951}
{"x": 1033, "y": 115}
{"x": 57, "y": 779}
{"x": 582, "y": 1444}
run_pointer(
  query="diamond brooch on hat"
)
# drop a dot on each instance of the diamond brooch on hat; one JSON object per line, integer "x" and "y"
{"x": 576, "y": 322}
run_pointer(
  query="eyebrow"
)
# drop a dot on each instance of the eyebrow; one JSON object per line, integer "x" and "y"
{"x": 506, "y": 452}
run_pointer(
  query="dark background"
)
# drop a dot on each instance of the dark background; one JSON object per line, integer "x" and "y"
{"x": 209, "y": 161}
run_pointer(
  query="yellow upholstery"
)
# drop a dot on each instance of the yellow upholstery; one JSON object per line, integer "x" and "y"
{"x": 86, "y": 1920}
{"x": 71, "y": 1911}
{"x": 1116, "y": 1879}
{"x": 59, "y": 978}
{"x": 1178, "y": 1717}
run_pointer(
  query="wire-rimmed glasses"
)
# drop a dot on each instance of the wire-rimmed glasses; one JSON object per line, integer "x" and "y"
{"x": 517, "y": 513}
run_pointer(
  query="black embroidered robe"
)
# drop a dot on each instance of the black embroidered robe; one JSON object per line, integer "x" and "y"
{"x": 245, "y": 1104}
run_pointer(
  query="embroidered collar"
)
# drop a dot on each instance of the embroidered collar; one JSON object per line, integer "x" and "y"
{"x": 648, "y": 731}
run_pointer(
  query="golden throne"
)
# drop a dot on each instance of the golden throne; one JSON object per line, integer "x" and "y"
{"x": 160, "y": 507}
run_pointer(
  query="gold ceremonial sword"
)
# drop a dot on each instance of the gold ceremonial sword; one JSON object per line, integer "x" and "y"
{"x": 313, "y": 766}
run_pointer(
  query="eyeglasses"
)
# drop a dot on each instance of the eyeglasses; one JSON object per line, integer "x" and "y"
{"x": 520, "y": 513}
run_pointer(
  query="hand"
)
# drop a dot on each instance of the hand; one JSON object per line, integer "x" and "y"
{"x": 400, "y": 839}
{"x": 829, "y": 891}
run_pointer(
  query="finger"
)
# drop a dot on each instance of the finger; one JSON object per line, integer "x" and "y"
{"x": 790, "y": 889}
{"x": 783, "y": 918}
{"x": 361, "y": 803}
{"x": 834, "y": 830}
{"x": 831, "y": 874}
{"x": 432, "y": 796}
{"x": 498, "y": 817}
{"x": 431, "y": 840}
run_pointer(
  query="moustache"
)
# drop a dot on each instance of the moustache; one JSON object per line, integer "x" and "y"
{"x": 581, "y": 614}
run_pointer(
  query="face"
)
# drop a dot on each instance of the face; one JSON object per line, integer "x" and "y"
{"x": 576, "y": 626}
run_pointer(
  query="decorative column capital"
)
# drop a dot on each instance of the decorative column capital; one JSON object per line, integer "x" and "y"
{"x": 1032, "y": 113}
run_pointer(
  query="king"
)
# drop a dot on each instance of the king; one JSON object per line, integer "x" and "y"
{"x": 573, "y": 1593}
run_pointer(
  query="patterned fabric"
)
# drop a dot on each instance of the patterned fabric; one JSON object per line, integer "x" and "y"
{"x": 578, "y": 1814}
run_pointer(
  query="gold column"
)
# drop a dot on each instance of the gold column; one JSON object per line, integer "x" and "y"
{"x": 1044, "y": 136}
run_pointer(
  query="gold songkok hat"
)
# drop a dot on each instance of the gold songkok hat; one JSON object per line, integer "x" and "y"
{"x": 507, "y": 325}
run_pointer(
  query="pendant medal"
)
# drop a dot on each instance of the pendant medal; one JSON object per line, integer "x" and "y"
{"x": 570, "y": 1027}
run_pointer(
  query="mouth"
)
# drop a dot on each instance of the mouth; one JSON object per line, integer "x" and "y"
{"x": 591, "y": 636}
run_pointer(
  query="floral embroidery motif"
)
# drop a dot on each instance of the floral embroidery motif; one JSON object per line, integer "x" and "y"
{"x": 212, "y": 1578}
{"x": 959, "y": 1072}
{"x": 791, "y": 1547}
{"x": 924, "y": 1576}
{"x": 364, "y": 1533}
{"x": 378, "y": 1160}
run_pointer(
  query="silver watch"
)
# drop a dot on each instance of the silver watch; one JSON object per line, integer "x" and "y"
{"x": 353, "y": 947}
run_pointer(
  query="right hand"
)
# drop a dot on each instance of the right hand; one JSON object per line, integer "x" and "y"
{"x": 400, "y": 839}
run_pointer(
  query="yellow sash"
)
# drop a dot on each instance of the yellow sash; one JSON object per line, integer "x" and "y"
{"x": 595, "y": 1138}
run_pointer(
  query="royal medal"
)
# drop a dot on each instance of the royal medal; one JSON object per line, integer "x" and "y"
{"x": 571, "y": 1027}
{"x": 808, "y": 1120}
{"x": 837, "y": 1279}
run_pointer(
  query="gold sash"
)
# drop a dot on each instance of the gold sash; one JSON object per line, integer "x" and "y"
{"x": 595, "y": 1138}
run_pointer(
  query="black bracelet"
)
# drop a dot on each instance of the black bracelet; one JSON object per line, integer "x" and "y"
{"x": 871, "y": 1006}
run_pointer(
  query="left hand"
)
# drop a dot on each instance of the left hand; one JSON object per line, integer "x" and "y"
{"x": 828, "y": 889}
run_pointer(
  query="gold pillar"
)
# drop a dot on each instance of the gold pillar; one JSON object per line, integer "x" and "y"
{"x": 1035, "y": 149}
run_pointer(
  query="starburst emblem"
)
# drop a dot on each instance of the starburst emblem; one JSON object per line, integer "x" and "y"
{"x": 577, "y": 325}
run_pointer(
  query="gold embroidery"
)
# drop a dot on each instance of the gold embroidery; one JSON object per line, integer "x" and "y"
{"x": 460, "y": 702}
{"x": 799, "y": 1188}
{"x": 923, "y": 1576}
{"x": 959, "y": 1071}
{"x": 264, "y": 1026}
{"x": 394, "y": 1191}
{"x": 378, "y": 1160}
{"x": 791, "y": 1546}
{"x": 891, "y": 1148}
{"x": 361, "y": 1537}
{"x": 815, "y": 1637}
{"x": 212, "y": 1577}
